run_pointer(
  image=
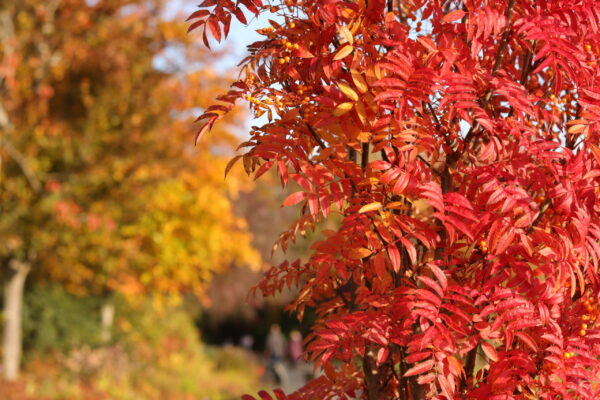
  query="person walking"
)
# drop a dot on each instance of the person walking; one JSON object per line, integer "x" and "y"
{"x": 296, "y": 347}
{"x": 275, "y": 351}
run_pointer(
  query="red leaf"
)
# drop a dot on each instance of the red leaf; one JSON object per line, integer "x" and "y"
{"x": 528, "y": 340}
{"x": 382, "y": 355}
{"x": 205, "y": 38}
{"x": 231, "y": 163}
{"x": 264, "y": 395}
{"x": 433, "y": 285}
{"x": 239, "y": 14}
{"x": 196, "y": 25}
{"x": 294, "y": 198}
{"x": 215, "y": 29}
{"x": 280, "y": 395}
{"x": 394, "y": 255}
{"x": 202, "y": 131}
{"x": 420, "y": 368}
{"x": 250, "y": 6}
{"x": 302, "y": 52}
{"x": 198, "y": 14}
{"x": 489, "y": 351}
{"x": 439, "y": 274}
{"x": 410, "y": 248}
{"x": 453, "y": 16}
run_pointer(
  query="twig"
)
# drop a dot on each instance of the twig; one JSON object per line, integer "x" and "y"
{"x": 315, "y": 136}
{"x": 497, "y": 62}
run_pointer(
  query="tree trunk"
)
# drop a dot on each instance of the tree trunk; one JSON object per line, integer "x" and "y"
{"x": 12, "y": 340}
{"x": 373, "y": 376}
{"x": 107, "y": 317}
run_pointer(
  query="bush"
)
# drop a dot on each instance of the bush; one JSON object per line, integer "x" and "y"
{"x": 54, "y": 319}
{"x": 154, "y": 355}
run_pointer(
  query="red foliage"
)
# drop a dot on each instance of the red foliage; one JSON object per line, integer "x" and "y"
{"x": 458, "y": 140}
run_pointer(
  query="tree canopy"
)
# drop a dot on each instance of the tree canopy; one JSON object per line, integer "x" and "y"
{"x": 459, "y": 142}
{"x": 99, "y": 181}
{"x": 100, "y": 187}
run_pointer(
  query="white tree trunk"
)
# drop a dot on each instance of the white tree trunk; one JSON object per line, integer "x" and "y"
{"x": 12, "y": 339}
{"x": 107, "y": 317}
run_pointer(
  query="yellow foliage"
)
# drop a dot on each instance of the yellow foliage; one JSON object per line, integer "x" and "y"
{"x": 107, "y": 192}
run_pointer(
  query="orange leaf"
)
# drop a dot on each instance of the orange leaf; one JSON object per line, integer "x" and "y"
{"x": 361, "y": 252}
{"x": 359, "y": 81}
{"x": 294, "y": 198}
{"x": 361, "y": 112}
{"x": 370, "y": 207}
{"x": 231, "y": 163}
{"x": 302, "y": 52}
{"x": 455, "y": 365}
{"x": 346, "y": 34}
{"x": 342, "y": 109}
{"x": 343, "y": 52}
{"x": 348, "y": 91}
{"x": 596, "y": 153}
{"x": 453, "y": 16}
{"x": 577, "y": 128}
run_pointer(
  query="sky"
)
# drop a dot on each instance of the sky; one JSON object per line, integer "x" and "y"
{"x": 234, "y": 46}
{"x": 239, "y": 37}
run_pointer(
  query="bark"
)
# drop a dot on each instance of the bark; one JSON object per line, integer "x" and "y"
{"x": 12, "y": 339}
{"x": 107, "y": 317}
{"x": 374, "y": 388}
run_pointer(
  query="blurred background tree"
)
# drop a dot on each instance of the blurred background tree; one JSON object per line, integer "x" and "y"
{"x": 101, "y": 190}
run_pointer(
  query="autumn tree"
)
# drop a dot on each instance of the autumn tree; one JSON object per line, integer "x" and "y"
{"x": 99, "y": 187}
{"x": 459, "y": 142}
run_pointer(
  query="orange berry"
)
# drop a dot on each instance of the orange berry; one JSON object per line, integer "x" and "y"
{"x": 584, "y": 326}
{"x": 307, "y": 99}
{"x": 292, "y": 25}
{"x": 281, "y": 61}
{"x": 296, "y": 46}
{"x": 588, "y": 47}
{"x": 582, "y": 332}
{"x": 287, "y": 59}
{"x": 585, "y": 317}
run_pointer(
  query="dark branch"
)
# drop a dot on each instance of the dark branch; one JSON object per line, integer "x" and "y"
{"x": 315, "y": 136}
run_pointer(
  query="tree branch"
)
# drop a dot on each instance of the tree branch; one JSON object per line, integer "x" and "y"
{"x": 469, "y": 367}
{"x": 313, "y": 133}
{"x": 34, "y": 182}
{"x": 364, "y": 156}
{"x": 497, "y": 62}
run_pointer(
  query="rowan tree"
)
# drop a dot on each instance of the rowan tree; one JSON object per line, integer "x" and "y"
{"x": 99, "y": 188}
{"x": 458, "y": 140}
